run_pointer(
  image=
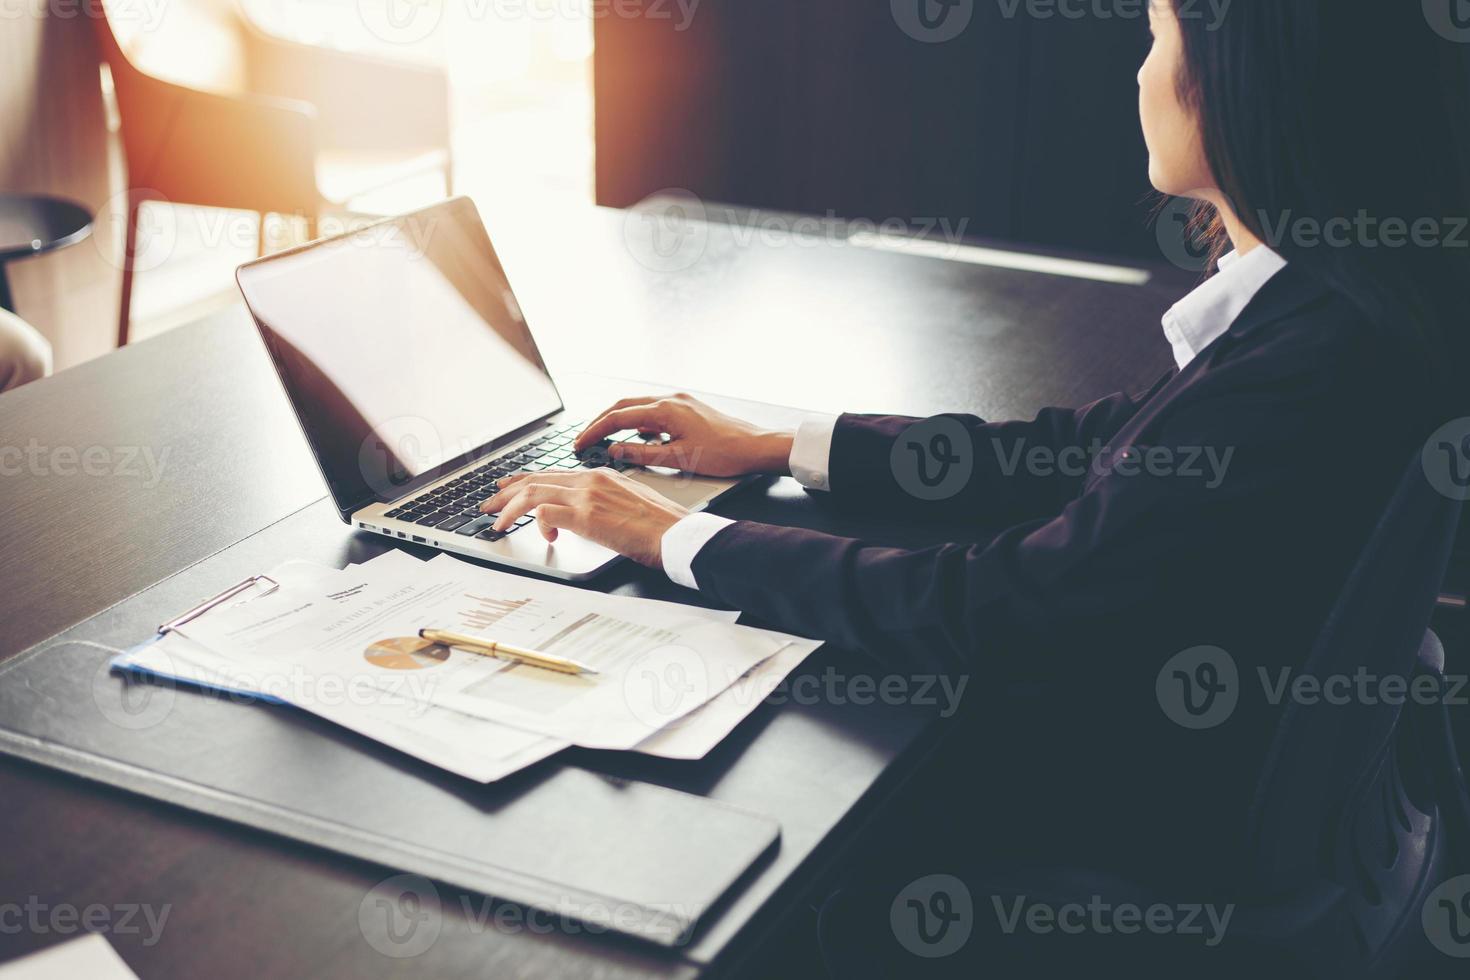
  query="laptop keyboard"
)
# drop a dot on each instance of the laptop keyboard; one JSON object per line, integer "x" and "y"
{"x": 455, "y": 506}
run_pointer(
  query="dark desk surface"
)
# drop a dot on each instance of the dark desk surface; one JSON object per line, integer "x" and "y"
{"x": 125, "y": 470}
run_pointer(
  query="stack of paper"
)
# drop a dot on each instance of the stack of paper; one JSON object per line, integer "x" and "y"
{"x": 343, "y": 644}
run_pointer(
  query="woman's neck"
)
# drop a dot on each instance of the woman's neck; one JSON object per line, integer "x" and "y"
{"x": 1241, "y": 238}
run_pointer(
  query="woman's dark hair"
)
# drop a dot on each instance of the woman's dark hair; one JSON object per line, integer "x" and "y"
{"x": 1356, "y": 111}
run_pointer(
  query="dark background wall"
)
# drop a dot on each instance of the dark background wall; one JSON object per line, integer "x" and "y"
{"x": 1027, "y": 126}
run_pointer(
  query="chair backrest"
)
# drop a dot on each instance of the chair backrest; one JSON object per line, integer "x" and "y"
{"x": 208, "y": 147}
{"x": 1327, "y": 758}
{"x": 199, "y": 44}
{"x": 146, "y": 104}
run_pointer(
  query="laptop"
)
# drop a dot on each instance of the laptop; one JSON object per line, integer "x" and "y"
{"x": 418, "y": 384}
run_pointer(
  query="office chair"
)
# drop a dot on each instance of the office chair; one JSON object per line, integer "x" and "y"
{"x": 297, "y": 130}
{"x": 1361, "y": 811}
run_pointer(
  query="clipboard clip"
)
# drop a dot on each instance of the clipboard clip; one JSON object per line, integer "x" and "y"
{"x": 218, "y": 600}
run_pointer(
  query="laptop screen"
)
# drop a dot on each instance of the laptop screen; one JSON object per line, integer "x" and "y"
{"x": 401, "y": 348}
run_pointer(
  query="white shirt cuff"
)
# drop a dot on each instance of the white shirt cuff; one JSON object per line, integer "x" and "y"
{"x": 684, "y": 540}
{"x": 812, "y": 450}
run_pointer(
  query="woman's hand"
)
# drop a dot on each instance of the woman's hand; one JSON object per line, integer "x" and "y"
{"x": 601, "y": 505}
{"x": 701, "y": 440}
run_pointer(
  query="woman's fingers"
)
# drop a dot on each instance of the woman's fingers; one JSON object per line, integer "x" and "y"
{"x": 527, "y": 498}
{"x": 602, "y": 505}
{"x": 503, "y": 498}
{"x": 631, "y": 402}
{"x": 650, "y": 417}
{"x": 649, "y": 453}
{"x": 552, "y": 517}
{"x": 512, "y": 484}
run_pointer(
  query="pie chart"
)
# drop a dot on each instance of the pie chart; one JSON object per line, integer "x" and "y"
{"x": 406, "y": 653}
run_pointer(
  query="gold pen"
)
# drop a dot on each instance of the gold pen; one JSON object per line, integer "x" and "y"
{"x": 504, "y": 651}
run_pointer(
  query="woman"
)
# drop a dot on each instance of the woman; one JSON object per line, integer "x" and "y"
{"x": 1328, "y": 346}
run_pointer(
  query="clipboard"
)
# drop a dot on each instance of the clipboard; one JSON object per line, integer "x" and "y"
{"x": 121, "y": 661}
{"x": 216, "y": 601}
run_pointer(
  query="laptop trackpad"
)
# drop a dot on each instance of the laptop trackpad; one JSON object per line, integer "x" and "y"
{"x": 684, "y": 489}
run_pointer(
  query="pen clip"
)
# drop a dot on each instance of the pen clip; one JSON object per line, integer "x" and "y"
{"x": 218, "y": 600}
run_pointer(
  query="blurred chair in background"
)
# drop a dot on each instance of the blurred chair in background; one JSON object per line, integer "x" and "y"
{"x": 277, "y": 127}
{"x": 24, "y": 354}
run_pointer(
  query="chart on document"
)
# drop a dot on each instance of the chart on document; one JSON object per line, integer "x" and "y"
{"x": 484, "y": 611}
{"x": 602, "y": 641}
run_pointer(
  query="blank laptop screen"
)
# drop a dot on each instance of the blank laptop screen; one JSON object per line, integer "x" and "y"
{"x": 402, "y": 349}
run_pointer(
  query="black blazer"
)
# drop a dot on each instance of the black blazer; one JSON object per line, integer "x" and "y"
{"x": 1097, "y": 579}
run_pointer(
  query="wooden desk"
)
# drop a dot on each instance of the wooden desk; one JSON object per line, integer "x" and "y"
{"x": 821, "y": 326}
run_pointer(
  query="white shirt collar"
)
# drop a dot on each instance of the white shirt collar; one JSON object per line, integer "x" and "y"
{"x": 1197, "y": 320}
